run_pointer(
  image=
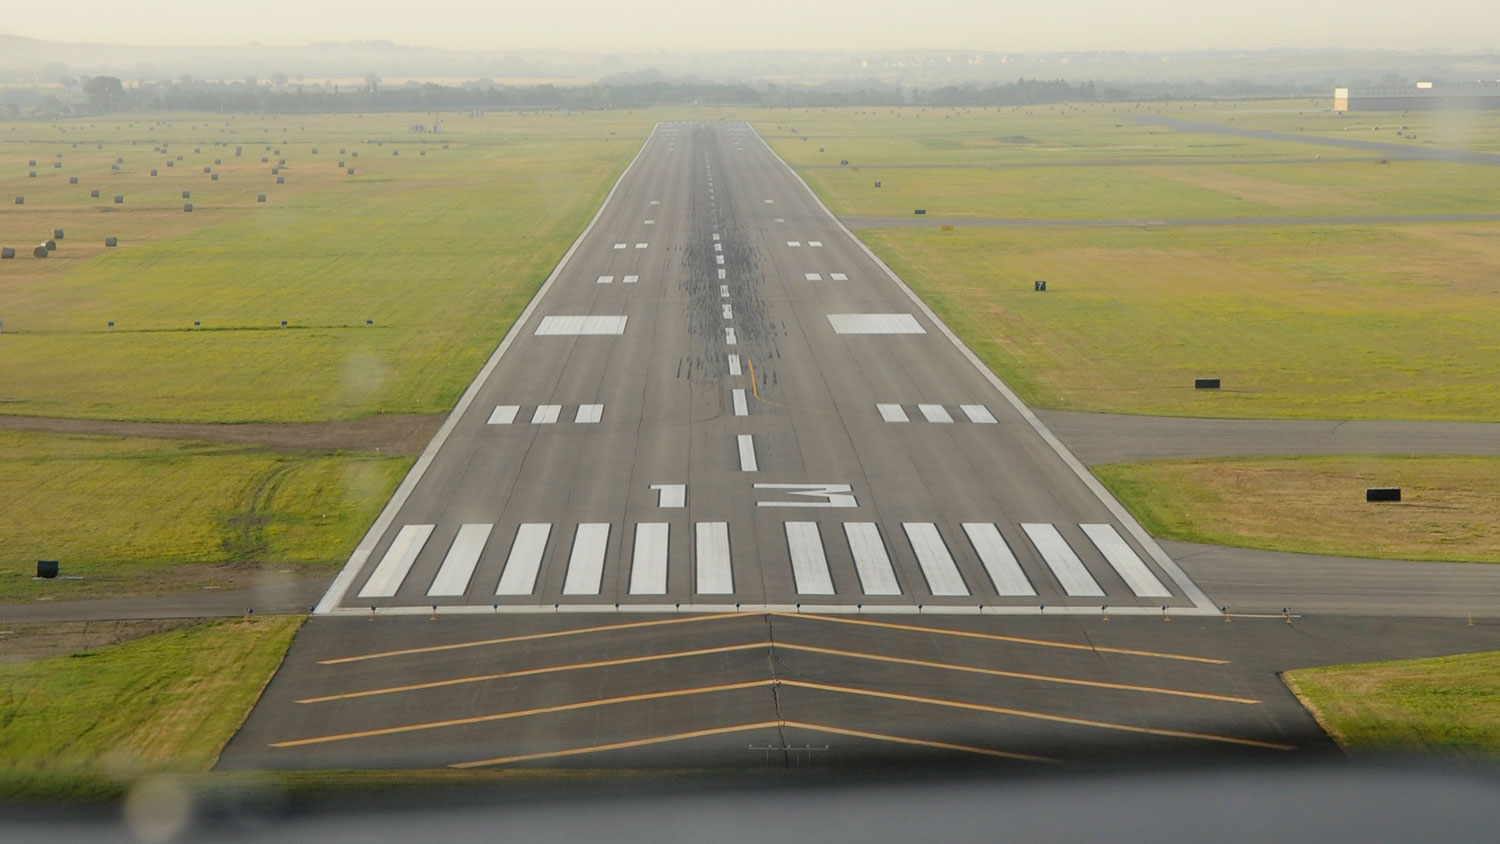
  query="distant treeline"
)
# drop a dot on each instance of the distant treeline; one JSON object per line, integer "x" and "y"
{"x": 102, "y": 93}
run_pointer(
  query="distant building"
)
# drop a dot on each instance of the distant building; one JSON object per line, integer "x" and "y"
{"x": 1422, "y": 96}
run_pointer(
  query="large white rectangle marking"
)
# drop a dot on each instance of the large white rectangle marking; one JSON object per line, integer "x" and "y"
{"x": 892, "y": 412}
{"x": 734, "y": 364}
{"x": 648, "y": 562}
{"x": 714, "y": 574}
{"x": 978, "y": 413}
{"x": 670, "y": 496}
{"x": 809, "y": 565}
{"x": 1130, "y": 567}
{"x": 876, "y": 576}
{"x": 875, "y": 324}
{"x": 998, "y": 560}
{"x": 463, "y": 555}
{"x": 586, "y": 563}
{"x": 640, "y": 246}
{"x": 934, "y": 413}
{"x": 620, "y": 245}
{"x": 932, "y": 555}
{"x": 606, "y": 279}
{"x": 525, "y": 560}
{"x": 588, "y": 414}
{"x": 741, "y": 407}
{"x": 838, "y": 276}
{"x": 794, "y": 243}
{"x": 546, "y": 414}
{"x": 396, "y": 563}
{"x": 504, "y": 414}
{"x": 580, "y": 325}
{"x": 813, "y": 276}
{"x": 747, "y": 453}
{"x": 630, "y": 279}
{"x": 1065, "y": 565}
{"x": 815, "y": 243}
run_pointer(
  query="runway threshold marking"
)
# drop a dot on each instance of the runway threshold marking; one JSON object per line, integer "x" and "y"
{"x": 1019, "y": 675}
{"x": 523, "y": 713}
{"x": 1042, "y": 716}
{"x": 531, "y": 672}
{"x": 762, "y": 725}
{"x": 526, "y": 637}
{"x": 997, "y": 637}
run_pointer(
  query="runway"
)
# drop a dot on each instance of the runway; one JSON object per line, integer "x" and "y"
{"x": 721, "y": 401}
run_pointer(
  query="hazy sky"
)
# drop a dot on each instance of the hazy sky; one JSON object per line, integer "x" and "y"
{"x": 698, "y": 25}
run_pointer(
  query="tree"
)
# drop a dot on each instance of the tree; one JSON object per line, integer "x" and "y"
{"x": 104, "y": 92}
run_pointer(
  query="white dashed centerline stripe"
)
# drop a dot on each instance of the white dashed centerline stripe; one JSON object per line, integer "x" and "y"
{"x": 978, "y": 413}
{"x": 396, "y": 563}
{"x": 1065, "y": 565}
{"x": 729, "y": 338}
{"x": 809, "y": 565}
{"x": 747, "y": 453}
{"x": 932, "y": 555}
{"x": 998, "y": 560}
{"x": 723, "y": 291}
{"x": 1130, "y": 567}
{"x": 589, "y": 414}
{"x": 794, "y": 243}
{"x": 813, "y": 276}
{"x": 458, "y": 566}
{"x": 838, "y": 276}
{"x": 621, "y": 245}
{"x": 606, "y": 279}
{"x": 728, "y": 311}
{"x": 640, "y": 246}
{"x": 871, "y": 562}
{"x": 741, "y": 408}
{"x": 815, "y": 243}
{"x": 713, "y": 572}
{"x": 648, "y": 561}
{"x": 586, "y": 562}
{"x": 546, "y": 414}
{"x": 722, "y": 274}
{"x": 630, "y": 279}
{"x": 525, "y": 560}
{"x": 734, "y": 364}
{"x": 934, "y": 413}
{"x": 892, "y": 412}
{"x": 504, "y": 414}
{"x": 719, "y": 259}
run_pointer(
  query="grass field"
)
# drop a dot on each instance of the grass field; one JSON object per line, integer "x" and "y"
{"x": 1450, "y": 507}
{"x": 1392, "y": 322}
{"x": 134, "y": 516}
{"x": 440, "y": 250}
{"x": 1445, "y": 704}
{"x": 164, "y": 702}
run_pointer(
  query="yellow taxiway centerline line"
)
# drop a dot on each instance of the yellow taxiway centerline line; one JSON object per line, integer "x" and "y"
{"x": 522, "y": 713}
{"x": 996, "y": 637}
{"x": 529, "y": 672}
{"x": 1024, "y": 713}
{"x": 717, "y": 731}
{"x": 527, "y": 637}
{"x": 996, "y": 672}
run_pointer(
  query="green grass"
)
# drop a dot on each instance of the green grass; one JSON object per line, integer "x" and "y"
{"x": 1341, "y": 322}
{"x": 1447, "y": 704}
{"x": 441, "y": 251}
{"x": 134, "y": 516}
{"x": 1450, "y": 507}
{"x": 164, "y": 702}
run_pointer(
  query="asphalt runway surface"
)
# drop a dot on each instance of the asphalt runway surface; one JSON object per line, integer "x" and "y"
{"x": 721, "y": 400}
{"x": 582, "y": 571}
{"x": 926, "y": 222}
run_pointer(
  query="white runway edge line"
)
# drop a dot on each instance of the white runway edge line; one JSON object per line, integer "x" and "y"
{"x": 1201, "y": 603}
{"x": 366, "y": 547}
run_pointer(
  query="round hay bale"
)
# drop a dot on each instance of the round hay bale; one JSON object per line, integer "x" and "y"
{"x": 341, "y": 164}
{"x": 119, "y": 159}
{"x": 171, "y": 164}
{"x": 187, "y": 206}
{"x": 31, "y": 175}
{"x": 93, "y": 194}
{"x": 119, "y": 199}
{"x": 197, "y": 149}
{"x": 7, "y": 252}
{"x": 218, "y": 161}
{"x": 57, "y": 165}
{"x": 57, "y": 234}
{"x": 275, "y": 170}
{"x": 51, "y": 245}
{"x": 187, "y": 194}
{"x": 214, "y": 177}
{"x": 315, "y": 150}
{"x": 114, "y": 168}
{"x": 351, "y": 171}
{"x": 281, "y": 161}
{"x": 422, "y": 152}
{"x": 264, "y": 160}
{"x": 31, "y": 162}
{"x": 40, "y": 251}
{"x": 20, "y": 200}
{"x": 72, "y": 180}
{"x": 208, "y": 169}
{"x": 280, "y": 180}
{"x": 260, "y": 197}
{"x": 111, "y": 242}
{"x": 179, "y": 158}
